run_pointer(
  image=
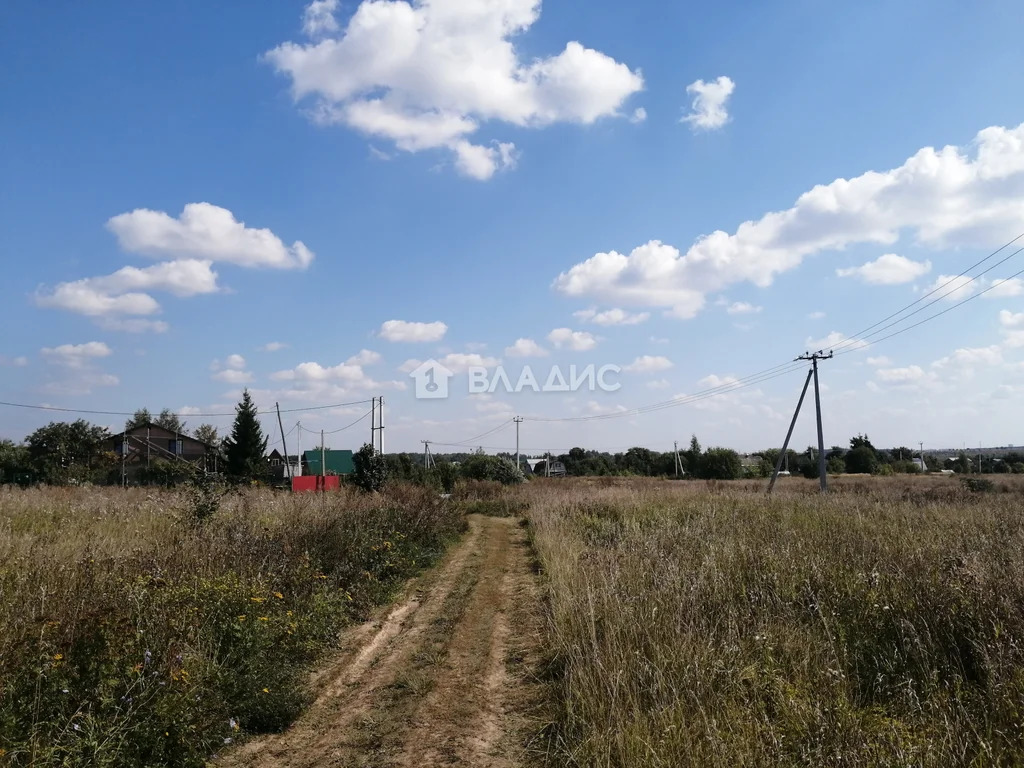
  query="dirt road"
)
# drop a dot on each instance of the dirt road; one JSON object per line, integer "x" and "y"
{"x": 445, "y": 678}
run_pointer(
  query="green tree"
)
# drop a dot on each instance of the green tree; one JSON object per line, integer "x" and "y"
{"x": 170, "y": 421}
{"x": 371, "y": 469}
{"x": 692, "y": 458}
{"x": 721, "y": 464}
{"x": 861, "y": 460}
{"x": 14, "y": 463}
{"x": 75, "y": 452}
{"x": 207, "y": 433}
{"x": 245, "y": 450}
{"x": 140, "y": 417}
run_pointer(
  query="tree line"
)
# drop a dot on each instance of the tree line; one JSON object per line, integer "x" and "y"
{"x": 77, "y": 452}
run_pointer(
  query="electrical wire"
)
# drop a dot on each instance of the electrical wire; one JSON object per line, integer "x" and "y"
{"x": 197, "y": 415}
{"x": 853, "y": 339}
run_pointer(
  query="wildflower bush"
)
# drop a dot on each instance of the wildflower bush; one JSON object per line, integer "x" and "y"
{"x": 130, "y": 636}
{"x": 880, "y": 625}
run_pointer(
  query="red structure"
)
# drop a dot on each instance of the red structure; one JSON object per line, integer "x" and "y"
{"x": 313, "y": 483}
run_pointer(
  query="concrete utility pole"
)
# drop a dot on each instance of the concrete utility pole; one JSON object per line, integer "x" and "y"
{"x": 518, "y": 420}
{"x": 380, "y": 425}
{"x": 814, "y": 358}
{"x": 428, "y": 460}
{"x": 373, "y": 422}
{"x": 323, "y": 459}
{"x": 789, "y": 434}
{"x": 811, "y": 374}
{"x": 675, "y": 452}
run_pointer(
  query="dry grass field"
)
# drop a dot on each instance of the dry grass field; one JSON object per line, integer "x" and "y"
{"x": 675, "y": 624}
{"x": 131, "y": 634}
{"x": 697, "y": 624}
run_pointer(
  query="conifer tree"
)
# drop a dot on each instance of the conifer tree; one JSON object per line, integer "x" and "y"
{"x": 245, "y": 449}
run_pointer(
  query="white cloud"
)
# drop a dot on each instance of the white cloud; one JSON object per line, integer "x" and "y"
{"x": 910, "y": 374}
{"x": 952, "y": 287}
{"x": 427, "y": 74}
{"x": 888, "y": 269}
{"x": 318, "y": 18}
{"x": 273, "y": 346}
{"x": 15, "y": 362}
{"x": 400, "y": 330}
{"x": 76, "y": 355}
{"x": 966, "y": 359}
{"x": 658, "y": 384}
{"x": 231, "y": 370}
{"x": 612, "y": 317}
{"x": 233, "y": 376}
{"x": 566, "y": 338}
{"x": 639, "y": 115}
{"x": 1005, "y": 289}
{"x": 941, "y": 198}
{"x": 132, "y": 325}
{"x": 78, "y": 362}
{"x": 879, "y": 362}
{"x": 526, "y": 348}
{"x": 834, "y": 339}
{"x": 708, "y": 108}
{"x": 1011, "y": 319}
{"x": 457, "y": 362}
{"x": 649, "y": 364}
{"x": 818, "y": 315}
{"x": 742, "y": 308}
{"x": 207, "y": 232}
{"x": 364, "y": 357}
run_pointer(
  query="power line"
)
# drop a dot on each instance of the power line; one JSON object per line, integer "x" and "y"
{"x": 930, "y": 317}
{"x": 855, "y": 337}
{"x": 189, "y": 415}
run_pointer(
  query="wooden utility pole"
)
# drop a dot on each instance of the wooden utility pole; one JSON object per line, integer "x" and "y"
{"x": 284, "y": 445}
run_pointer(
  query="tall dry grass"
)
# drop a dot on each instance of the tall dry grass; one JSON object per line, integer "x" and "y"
{"x": 705, "y": 625}
{"x": 132, "y": 635}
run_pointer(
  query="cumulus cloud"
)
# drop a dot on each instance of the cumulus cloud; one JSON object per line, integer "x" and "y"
{"x": 400, "y": 330}
{"x": 364, "y": 357}
{"x": 566, "y": 338}
{"x": 79, "y": 370}
{"x": 908, "y": 375}
{"x": 132, "y": 324}
{"x": 273, "y": 346}
{"x": 941, "y": 198}
{"x": 888, "y": 269}
{"x": 708, "y": 110}
{"x": 742, "y": 308}
{"x": 427, "y": 74}
{"x": 231, "y": 370}
{"x": 612, "y": 316}
{"x": 526, "y": 348}
{"x": 76, "y": 355}
{"x": 318, "y": 18}
{"x": 649, "y": 364}
{"x": 233, "y": 376}
{"x": 457, "y": 362}
{"x": 13, "y": 362}
{"x": 206, "y": 232}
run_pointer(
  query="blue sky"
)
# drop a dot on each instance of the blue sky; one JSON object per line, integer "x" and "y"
{"x": 304, "y": 174}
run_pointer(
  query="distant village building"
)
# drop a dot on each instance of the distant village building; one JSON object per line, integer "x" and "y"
{"x": 145, "y": 443}
{"x": 280, "y": 470}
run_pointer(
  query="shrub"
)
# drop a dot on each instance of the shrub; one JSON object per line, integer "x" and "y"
{"x": 371, "y": 469}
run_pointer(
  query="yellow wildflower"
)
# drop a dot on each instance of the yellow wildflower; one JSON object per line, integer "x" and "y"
{"x": 279, "y": 596}
{"x": 58, "y": 656}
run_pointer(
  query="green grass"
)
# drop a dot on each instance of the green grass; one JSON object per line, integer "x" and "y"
{"x": 131, "y": 636}
{"x": 705, "y": 625}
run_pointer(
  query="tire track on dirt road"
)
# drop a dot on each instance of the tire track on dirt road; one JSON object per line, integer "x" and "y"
{"x": 430, "y": 683}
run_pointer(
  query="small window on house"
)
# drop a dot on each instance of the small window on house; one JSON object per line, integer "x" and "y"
{"x": 275, "y": 462}
{"x": 175, "y": 447}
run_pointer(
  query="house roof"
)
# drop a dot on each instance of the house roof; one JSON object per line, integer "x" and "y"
{"x": 138, "y": 431}
{"x": 338, "y": 462}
